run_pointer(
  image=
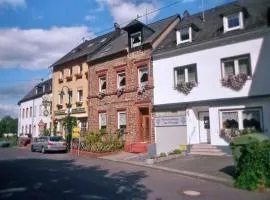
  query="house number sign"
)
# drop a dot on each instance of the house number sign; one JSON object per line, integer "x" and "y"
{"x": 170, "y": 121}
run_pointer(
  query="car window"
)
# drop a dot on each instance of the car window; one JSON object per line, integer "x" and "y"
{"x": 56, "y": 139}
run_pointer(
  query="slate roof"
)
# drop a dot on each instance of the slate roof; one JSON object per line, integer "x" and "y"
{"x": 255, "y": 16}
{"x": 32, "y": 94}
{"x": 120, "y": 43}
{"x": 87, "y": 47}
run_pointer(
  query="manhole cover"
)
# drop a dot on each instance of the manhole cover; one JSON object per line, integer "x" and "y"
{"x": 191, "y": 193}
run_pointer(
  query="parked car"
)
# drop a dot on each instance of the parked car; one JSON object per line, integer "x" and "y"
{"x": 5, "y": 143}
{"x": 45, "y": 144}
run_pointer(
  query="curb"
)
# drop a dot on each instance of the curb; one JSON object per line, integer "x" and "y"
{"x": 176, "y": 171}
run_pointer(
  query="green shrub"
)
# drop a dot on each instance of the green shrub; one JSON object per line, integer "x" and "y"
{"x": 162, "y": 154}
{"x": 247, "y": 131}
{"x": 176, "y": 151}
{"x": 254, "y": 166}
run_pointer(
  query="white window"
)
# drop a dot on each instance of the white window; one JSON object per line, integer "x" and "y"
{"x": 61, "y": 99}
{"x": 40, "y": 110}
{"x": 102, "y": 84}
{"x": 136, "y": 39}
{"x": 121, "y": 80}
{"x": 236, "y": 65}
{"x": 80, "y": 68}
{"x": 187, "y": 73}
{"x": 143, "y": 76}
{"x": 122, "y": 121}
{"x": 103, "y": 120}
{"x": 242, "y": 119}
{"x": 233, "y": 22}
{"x": 80, "y": 95}
{"x": 61, "y": 74}
{"x": 184, "y": 35}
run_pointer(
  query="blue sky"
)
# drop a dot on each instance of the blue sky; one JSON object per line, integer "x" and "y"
{"x": 35, "y": 33}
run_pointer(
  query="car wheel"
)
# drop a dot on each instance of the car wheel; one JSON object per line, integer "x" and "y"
{"x": 32, "y": 149}
{"x": 43, "y": 150}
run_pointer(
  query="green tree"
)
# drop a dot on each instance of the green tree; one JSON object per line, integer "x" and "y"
{"x": 69, "y": 123}
{"x": 8, "y": 125}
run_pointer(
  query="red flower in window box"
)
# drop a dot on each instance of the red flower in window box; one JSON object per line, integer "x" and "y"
{"x": 235, "y": 82}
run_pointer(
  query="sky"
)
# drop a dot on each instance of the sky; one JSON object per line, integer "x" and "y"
{"x": 36, "y": 33}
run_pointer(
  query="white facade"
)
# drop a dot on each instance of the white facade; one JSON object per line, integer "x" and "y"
{"x": 29, "y": 122}
{"x": 203, "y": 100}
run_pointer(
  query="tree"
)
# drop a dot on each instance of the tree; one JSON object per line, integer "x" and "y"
{"x": 69, "y": 123}
{"x": 8, "y": 125}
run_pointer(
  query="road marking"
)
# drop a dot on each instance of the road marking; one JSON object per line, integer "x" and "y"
{"x": 191, "y": 193}
{"x": 21, "y": 189}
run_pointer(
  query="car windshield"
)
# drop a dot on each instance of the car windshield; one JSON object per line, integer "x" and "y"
{"x": 56, "y": 139}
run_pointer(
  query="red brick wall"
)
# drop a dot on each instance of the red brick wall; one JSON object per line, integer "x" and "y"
{"x": 129, "y": 100}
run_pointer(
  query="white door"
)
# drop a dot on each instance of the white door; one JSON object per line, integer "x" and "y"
{"x": 204, "y": 123}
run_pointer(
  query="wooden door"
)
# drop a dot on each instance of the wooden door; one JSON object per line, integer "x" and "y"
{"x": 145, "y": 128}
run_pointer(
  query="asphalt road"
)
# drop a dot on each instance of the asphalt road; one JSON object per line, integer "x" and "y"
{"x": 26, "y": 175}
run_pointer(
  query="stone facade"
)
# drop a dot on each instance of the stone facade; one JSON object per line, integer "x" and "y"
{"x": 78, "y": 81}
{"x": 130, "y": 101}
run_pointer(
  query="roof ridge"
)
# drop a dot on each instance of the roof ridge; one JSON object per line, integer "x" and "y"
{"x": 175, "y": 15}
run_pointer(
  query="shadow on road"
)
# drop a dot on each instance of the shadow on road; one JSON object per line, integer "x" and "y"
{"x": 229, "y": 170}
{"x": 58, "y": 179}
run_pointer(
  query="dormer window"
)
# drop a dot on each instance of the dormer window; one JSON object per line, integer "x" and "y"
{"x": 233, "y": 22}
{"x": 135, "y": 39}
{"x": 184, "y": 35}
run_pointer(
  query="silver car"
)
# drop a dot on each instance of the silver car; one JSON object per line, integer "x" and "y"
{"x": 45, "y": 144}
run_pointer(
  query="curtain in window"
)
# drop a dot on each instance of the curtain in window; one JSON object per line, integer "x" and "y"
{"x": 103, "y": 120}
{"x": 229, "y": 68}
{"x": 180, "y": 75}
{"x": 143, "y": 75}
{"x": 122, "y": 120}
{"x": 230, "y": 120}
{"x": 251, "y": 119}
{"x": 244, "y": 66}
{"x": 122, "y": 80}
{"x": 103, "y": 83}
{"x": 191, "y": 74}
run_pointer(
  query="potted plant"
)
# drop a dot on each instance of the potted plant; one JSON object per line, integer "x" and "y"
{"x": 141, "y": 89}
{"x": 235, "y": 82}
{"x": 68, "y": 105}
{"x": 101, "y": 94}
{"x": 185, "y": 87}
{"x": 59, "y": 106}
{"x": 120, "y": 91}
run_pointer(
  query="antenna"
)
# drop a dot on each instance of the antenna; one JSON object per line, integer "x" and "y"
{"x": 203, "y": 16}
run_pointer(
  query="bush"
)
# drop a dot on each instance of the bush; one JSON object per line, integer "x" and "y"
{"x": 242, "y": 141}
{"x": 162, "y": 154}
{"x": 176, "y": 151}
{"x": 102, "y": 142}
{"x": 254, "y": 166}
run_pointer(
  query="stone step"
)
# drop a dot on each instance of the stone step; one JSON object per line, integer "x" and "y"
{"x": 203, "y": 146}
{"x": 206, "y": 150}
{"x": 207, "y": 153}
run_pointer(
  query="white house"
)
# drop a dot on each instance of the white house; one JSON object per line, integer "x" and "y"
{"x": 35, "y": 110}
{"x": 211, "y": 74}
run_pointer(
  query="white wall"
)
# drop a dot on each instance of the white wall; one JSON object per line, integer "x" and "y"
{"x": 209, "y": 72}
{"x": 34, "y": 119}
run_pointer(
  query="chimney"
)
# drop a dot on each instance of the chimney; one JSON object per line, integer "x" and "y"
{"x": 117, "y": 28}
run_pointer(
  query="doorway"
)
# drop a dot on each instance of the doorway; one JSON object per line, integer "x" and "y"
{"x": 204, "y": 127}
{"x": 144, "y": 125}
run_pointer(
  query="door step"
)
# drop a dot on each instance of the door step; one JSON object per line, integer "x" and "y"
{"x": 136, "y": 148}
{"x": 205, "y": 149}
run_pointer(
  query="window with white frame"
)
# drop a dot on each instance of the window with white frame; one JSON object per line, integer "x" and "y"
{"x": 80, "y": 68}
{"x": 122, "y": 120}
{"x": 187, "y": 73}
{"x": 143, "y": 76}
{"x": 236, "y": 65}
{"x": 121, "y": 80}
{"x": 184, "y": 35}
{"x": 80, "y": 95}
{"x": 242, "y": 118}
{"x": 61, "y": 74}
{"x": 136, "y": 39}
{"x": 102, "y": 84}
{"x": 102, "y": 120}
{"x": 61, "y": 99}
{"x": 233, "y": 22}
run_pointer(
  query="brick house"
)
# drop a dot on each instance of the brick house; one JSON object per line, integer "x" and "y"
{"x": 121, "y": 83}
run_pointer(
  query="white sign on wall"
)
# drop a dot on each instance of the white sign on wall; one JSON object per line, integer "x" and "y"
{"x": 170, "y": 121}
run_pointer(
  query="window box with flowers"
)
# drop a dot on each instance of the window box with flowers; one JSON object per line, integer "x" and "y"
{"x": 236, "y": 71}
{"x": 69, "y": 78}
{"x": 120, "y": 91}
{"x": 68, "y": 105}
{"x": 60, "y": 80}
{"x": 78, "y": 75}
{"x": 141, "y": 89}
{"x": 101, "y": 94}
{"x": 59, "y": 106}
{"x": 79, "y": 103}
{"x": 185, "y": 78}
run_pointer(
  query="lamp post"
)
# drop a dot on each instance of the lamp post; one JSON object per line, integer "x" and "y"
{"x": 69, "y": 135}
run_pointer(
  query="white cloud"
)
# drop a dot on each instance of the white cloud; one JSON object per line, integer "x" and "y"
{"x": 37, "y": 48}
{"x": 8, "y": 110}
{"x": 13, "y": 3}
{"x": 126, "y": 10}
{"x": 90, "y": 18}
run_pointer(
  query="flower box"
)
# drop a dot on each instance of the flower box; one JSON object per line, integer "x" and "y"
{"x": 68, "y": 105}
{"x": 59, "y": 106}
{"x": 79, "y": 103}
{"x": 60, "y": 80}
{"x": 141, "y": 89}
{"x": 185, "y": 87}
{"x": 78, "y": 75}
{"x": 101, "y": 94}
{"x": 120, "y": 91}
{"x": 69, "y": 78}
{"x": 235, "y": 82}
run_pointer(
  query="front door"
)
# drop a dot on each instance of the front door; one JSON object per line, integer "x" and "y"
{"x": 144, "y": 125}
{"x": 204, "y": 123}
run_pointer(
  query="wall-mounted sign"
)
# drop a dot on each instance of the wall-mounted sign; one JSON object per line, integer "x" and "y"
{"x": 170, "y": 121}
{"x": 78, "y": 110}
{"x": 60, "y": 112}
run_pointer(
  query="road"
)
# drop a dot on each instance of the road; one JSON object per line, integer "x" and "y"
{"x": 26, "y": 175}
